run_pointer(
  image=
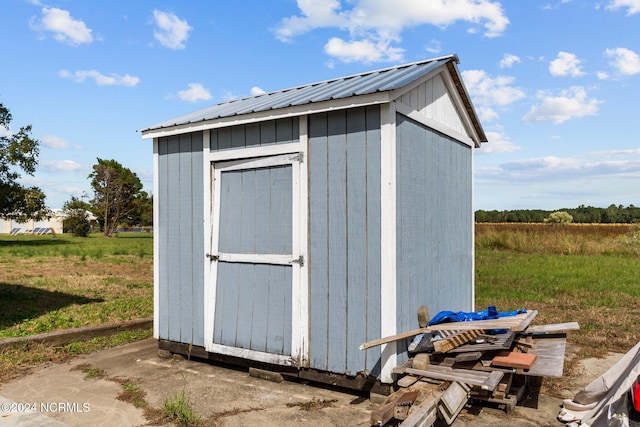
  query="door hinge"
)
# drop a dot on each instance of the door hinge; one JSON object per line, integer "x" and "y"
{"x": 212, "y": 257}
{"x": 299, "y": 261}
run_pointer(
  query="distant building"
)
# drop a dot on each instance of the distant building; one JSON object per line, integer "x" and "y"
{"x": 53, "y": 225}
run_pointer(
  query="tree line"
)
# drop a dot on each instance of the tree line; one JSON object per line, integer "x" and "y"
{"x": 613, "y": 214}
{"x": 117, "y": 200}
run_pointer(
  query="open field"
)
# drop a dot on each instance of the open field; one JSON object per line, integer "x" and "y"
{"x": 582, "y": 273}
{"x": 50, "y": 283}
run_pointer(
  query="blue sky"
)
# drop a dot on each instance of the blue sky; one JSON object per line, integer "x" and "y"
{"x": 554, "y": 82}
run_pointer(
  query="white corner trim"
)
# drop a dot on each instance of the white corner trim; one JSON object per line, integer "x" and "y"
{"x": 300, "y": 291}
{"x": 388, "y": 321}
{"x": 209, "y": 273}
{"x": 156, "y": 241}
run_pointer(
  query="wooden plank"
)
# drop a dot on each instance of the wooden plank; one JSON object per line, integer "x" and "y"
{"x": 468, "y": 356}
{"x": 318, "y": 242}
{"x": 453, "y": 397}
{"x": 383, "y": 414}
{"x": 456, "y": 340}
{"x": 424, "y": 413}
{"x": 492, "y": 382}
{"x": 524, "y": 323}
{"x": 550, "y": 357}
{"x": 452, "y": 402}
{"x": 403, "y": 405}
{"x": 492, "y": 343}
{"x": 406, "y": 381}
{"x": 516, "y": 323}
{"x": 484, "y": 380}
{"x": 337, "y": 236}
{"x": 553, "y": 328}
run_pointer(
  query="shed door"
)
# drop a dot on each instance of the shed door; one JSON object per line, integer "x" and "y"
{"x": 254, "y": 256}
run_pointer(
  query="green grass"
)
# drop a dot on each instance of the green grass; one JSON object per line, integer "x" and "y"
{"x": 179, "y": 409}
{"x": 577, "y": 273}
{"x": 95, "y": 246}
{"x": 50, "y": 283}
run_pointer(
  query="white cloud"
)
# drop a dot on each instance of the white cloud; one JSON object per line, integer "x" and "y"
{"x": 498, "y": 143}
{"x": 195, "y": 93}
{"x": 626, "y": 61}
{"x": 375, "y": 25}
{"x": 65, "y": 29}
{"x": 570, "y": 104}
{"x": 54, "y": 142}
{"x": 61, "y": 166}
{"x": 366, "y": 51}
{"x": 172, "y": 31}
{"x": 602, "y": 75}
{"x": 488, "y": 92}
{"x": 633, "y": 6}
{"x": 566, "y": 64}
{"x": 508, "y": 60}
{"x": 255, "y": 91}
{"x": 100, "y": 79}
{"x": 434, "y": 46}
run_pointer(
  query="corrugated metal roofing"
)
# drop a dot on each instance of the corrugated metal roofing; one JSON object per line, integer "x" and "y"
{"x": 359, "y": 84}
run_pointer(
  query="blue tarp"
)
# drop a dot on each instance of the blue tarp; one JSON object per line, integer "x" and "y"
{"x": 461, "y": 316}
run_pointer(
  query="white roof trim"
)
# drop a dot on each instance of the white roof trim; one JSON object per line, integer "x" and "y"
{"x": 299, "y": 110}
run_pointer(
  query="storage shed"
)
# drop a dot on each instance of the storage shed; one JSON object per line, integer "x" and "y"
{"x": 295, "y": 225}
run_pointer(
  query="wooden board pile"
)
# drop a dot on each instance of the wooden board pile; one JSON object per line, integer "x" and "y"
{"x": 484, "y": 360}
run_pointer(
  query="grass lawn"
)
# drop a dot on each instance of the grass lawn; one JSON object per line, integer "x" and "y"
{"x": 50, "y": 283}
{"x": 582, "y": 273}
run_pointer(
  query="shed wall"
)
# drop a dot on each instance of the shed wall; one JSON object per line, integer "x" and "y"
{"x": 181, "y": 234}
{"x": 434, "y": 223}
{"x": 344, "y": 206}
{"x": 269, "y": 132}
{"x": 433, "y": 100}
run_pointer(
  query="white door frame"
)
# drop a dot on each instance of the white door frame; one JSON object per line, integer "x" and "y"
{"x": 215, "y": 164}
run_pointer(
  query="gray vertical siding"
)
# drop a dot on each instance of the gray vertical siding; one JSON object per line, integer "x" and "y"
{"x": 434, "y": 223}
{"x": 181, "y": 238}
{"x": 344, "y": 259}
{"x": 281, "y": 131}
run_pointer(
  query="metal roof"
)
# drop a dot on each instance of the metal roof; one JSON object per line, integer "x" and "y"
{"x": 359, "y": 84}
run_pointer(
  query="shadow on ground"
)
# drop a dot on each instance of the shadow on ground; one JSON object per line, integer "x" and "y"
{"x": 19, "y": 303}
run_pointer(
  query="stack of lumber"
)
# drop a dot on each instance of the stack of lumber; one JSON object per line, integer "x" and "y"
{"x": 483, "y": 360}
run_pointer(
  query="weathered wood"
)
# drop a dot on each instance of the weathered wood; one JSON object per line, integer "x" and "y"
{"x": 493, "y": 342}
{"x": 406, "y": 381}
{"x": 553, "y": 328}
{"x": 484, "y": 380}
{"x": 424, "y": 413}
{"x": 456, "y": 340}
{"x": 516, "y": 323}
{"x": 468, "y": 356}
{"x": 453, "y": 396}
{"x": 550, "y": 356}
{"x": 452, "y": 401}
{"x": 403, "y": 404}
{"x": 383, "y": 414}
{"x": 400, "y": 369}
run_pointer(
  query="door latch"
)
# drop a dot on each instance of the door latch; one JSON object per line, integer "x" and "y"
{"x": 212, "y": 257}
{"x": 299, "y": 261}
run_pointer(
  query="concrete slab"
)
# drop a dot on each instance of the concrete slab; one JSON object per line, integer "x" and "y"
{"x": 232, "y": 396}
{"x": 63, "y": 396}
